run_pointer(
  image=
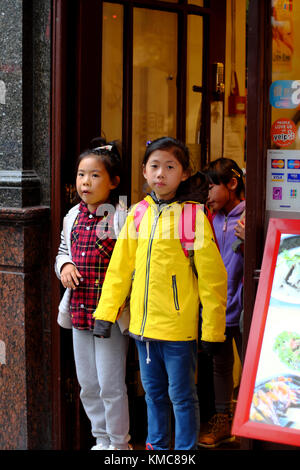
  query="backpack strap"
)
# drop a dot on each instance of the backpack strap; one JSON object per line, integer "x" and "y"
{"x": 187, "y": 225}
{"x": 139, "y": 212}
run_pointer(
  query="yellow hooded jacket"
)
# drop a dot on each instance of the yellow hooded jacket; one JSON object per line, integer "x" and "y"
{"x": 165, "y": 296}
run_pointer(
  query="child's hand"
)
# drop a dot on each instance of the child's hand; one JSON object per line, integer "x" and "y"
{"x": 69, "y": 276}
{"x": 240, "y": 230}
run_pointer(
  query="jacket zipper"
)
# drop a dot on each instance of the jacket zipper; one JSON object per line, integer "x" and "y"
{"x": 148, "y": 272}
{"x": 175, "y": 292}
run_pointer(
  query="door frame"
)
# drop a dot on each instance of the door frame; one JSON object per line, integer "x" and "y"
{"x": 259, "y": 60}
{"x": 56, "y": 145}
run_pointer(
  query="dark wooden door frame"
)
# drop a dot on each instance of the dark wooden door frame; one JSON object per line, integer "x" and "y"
{"x": 66, "y": 410}
{"x": 257, "y": 138}
{"x": 56, "y": 141}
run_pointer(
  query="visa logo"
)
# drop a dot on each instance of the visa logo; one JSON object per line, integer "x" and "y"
{"x": 277, "y": 176}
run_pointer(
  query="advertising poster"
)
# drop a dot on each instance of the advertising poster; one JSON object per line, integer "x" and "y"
{"x": 268, "y": 405}
{"x": 283, "y": 35}
{"x": 283, "y": 180}
{"x": 283, "y": 132}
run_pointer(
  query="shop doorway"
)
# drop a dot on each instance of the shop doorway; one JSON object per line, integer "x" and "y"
{"x": 134, "y": 71}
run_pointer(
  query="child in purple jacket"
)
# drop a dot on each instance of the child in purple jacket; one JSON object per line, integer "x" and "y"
{"x": 226, "y": 200}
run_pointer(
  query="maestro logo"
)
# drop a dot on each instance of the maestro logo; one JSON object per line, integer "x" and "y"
{"x": 293, "y": 164}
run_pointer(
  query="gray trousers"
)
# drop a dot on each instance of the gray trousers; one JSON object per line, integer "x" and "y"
{"x": 101, "y": 368}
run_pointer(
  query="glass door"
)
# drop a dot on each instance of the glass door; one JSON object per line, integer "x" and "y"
{"x": 112, "y": 71}
{"x": 154, "y": 86}
{"x": 194, "y": 89}
{"x": 153, "y": 80}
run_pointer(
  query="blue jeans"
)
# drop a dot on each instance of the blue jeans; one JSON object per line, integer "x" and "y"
{"x": 168, "y": 377}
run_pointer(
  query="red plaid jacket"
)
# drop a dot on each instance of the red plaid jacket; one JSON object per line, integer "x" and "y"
{"x": 91, "y": 247}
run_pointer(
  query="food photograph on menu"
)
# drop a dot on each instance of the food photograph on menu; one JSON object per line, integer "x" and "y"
{"x": 268, "y": 405}
{"x": 276, "y": 398}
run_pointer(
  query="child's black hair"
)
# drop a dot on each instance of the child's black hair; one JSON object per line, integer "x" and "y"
{"x": 223, "y": 170}
{"x": 179, "y": 150}
{"x": 109, "y": 154}
{"x": 195, "y": 188}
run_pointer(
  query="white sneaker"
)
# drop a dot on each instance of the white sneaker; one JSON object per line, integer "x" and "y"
{"x": 111, "y": 447}
{"x": 100, "y": 447}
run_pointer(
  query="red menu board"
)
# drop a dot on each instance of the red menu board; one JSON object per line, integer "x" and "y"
{"x": 268, "y": 405}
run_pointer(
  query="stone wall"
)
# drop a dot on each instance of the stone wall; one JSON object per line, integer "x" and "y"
{"x": 25, "y": 259}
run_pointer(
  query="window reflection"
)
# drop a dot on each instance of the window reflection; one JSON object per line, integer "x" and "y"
{"x": 154, "y": 85}
{"x": 194, "y": 83}
{"x": 112, "y": 71}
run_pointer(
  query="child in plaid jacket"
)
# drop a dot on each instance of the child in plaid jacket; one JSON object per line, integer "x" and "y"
{"x": 88, "y": 237}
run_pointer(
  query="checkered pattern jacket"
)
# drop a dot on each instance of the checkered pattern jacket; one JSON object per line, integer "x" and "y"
{"x": 65, "y": 256}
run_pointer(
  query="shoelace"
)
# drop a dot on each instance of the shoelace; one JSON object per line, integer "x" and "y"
{"x": 217, "y": 422}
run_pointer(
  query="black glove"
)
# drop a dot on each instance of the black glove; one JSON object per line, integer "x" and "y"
{"x": 102, "y": 328}
{"x": 210, "y": 348}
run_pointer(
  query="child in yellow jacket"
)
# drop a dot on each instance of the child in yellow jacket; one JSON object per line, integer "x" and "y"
{"x": 165, "y": 295}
